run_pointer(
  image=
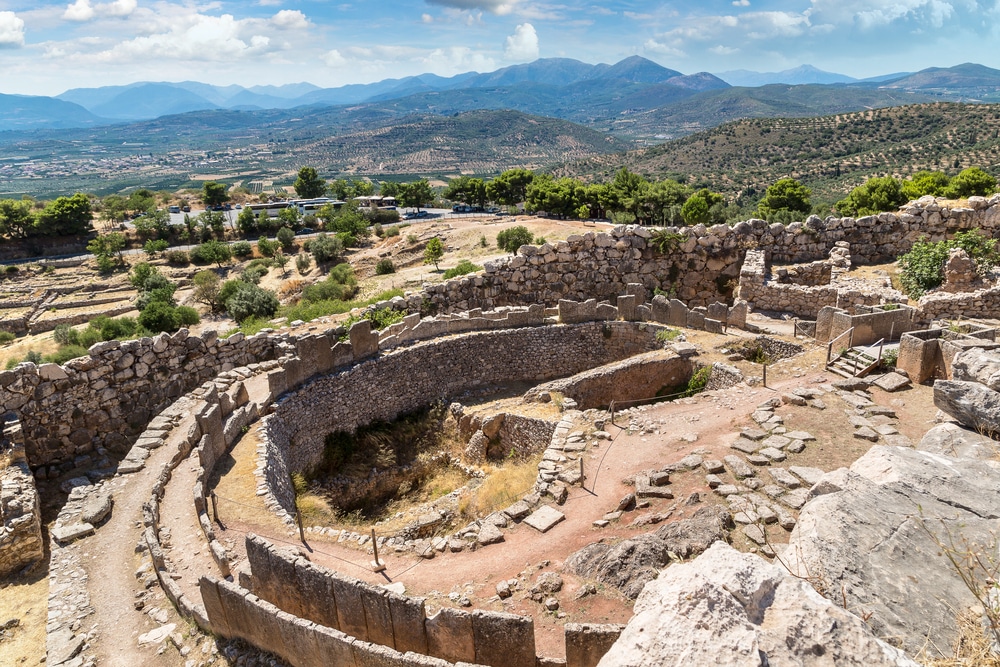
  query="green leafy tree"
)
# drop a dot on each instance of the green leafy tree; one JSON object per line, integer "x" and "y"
{"x": 16, "y": 218}
{"x": 286, "y": 237}
{"x": 388, "y": 188}
{"x": 922, "y": 268}
{"x": 309, "y": 185}
{"x": 246, "y": 222}
{"x": 875, "y": 196}
{"x": 786, "y": 194}
{"x": 697, "y": 208}
{"x": 971, "y": 182}
{"x": 160, "y": 316}
{"x": 206, "y": 289}
{"x": 511, "y": 239}
{"x": 923, "y": 183}
{"x": 290, "y": 217}
{"x": 214, "y": 194}
{"x": 113, "y": 208}
{"x": 415, "y": 194}
{"x": 303, "y": 262}
{"x": 511, "y": 187}
{"x": 212, "y": 251}
{"x": 466, "y": 189}
{"x": 433, "y": 252}
{"x": 281, "y": 261}
{"x": 107, "y": 249}
{"x": 65, "y": 216}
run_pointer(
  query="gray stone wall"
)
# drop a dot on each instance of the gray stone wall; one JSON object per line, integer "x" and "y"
{"x": 412, "y": 377}
{"x": 104, "y": 400}
{"x": 705, "y": 262}
{"x": 20, "y": 519}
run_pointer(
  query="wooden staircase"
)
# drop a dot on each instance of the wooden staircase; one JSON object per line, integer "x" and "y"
{"x": 852, "y": 362}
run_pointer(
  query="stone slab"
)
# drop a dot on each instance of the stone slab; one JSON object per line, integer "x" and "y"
{"x": 71, "y": 532}
{"x": 544, "y": 518}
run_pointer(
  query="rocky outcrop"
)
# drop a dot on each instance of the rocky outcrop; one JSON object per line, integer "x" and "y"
{"x": 873, "y": 540}
{"x": 951, "y": 439}
{"x": 977, "y": 365}
{"x": 732, "y": 608}
{"x": 972, "y": 404}
{"x": 20, "y": 519}
{"x": 630, "y": 564}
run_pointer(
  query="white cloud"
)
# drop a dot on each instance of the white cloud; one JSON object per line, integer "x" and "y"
{"x": 290, "y": 19}
{"x": 427, "y": 18}
{"x": 523, "y": 44}
{"x": 82, "y": 10}
{"x": 334, "y": 58}
{"x": 661, "y": 48}
{"x": 79, "y": 11}
{"x": 741, "y": 3}
{"x": 635, "y": 16}
{"x": 721, "y": 50}
{"x": 198, "y": 38}
{"x": 500, "y": 7}
{"x": 11, "y": 31}
{"x": 269, "y": 3}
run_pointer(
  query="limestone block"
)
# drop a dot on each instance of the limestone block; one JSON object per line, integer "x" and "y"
{"x": 627, "y": 307}
{"x": 350, "y": 607}
{"x": 378, "y": 614}
{"x": 661, "y": 309}
{"x": 586, "y": 643}
{"x": 408, "y": 617}
{"x": 503, "y": 640}
{"x": 450, "y": 636}
{"x": 363, "y": 340}
{"x": 677, "y": 315}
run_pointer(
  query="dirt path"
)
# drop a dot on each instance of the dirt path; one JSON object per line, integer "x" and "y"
{"x": 111, "y": 568}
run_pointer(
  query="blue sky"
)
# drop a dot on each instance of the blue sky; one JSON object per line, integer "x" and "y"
{"x": 46, "y": 48}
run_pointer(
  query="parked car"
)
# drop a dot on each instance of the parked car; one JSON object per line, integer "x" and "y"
{"x": 186, "y": 208}
{"x": 174, "y": 209}
{"x": 304, "y": 230}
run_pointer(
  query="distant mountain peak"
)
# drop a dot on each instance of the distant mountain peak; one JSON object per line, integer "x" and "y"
{"x": 803, "y": 74}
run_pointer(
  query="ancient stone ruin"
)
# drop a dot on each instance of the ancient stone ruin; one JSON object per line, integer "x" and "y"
{"x": 137, "y": 434}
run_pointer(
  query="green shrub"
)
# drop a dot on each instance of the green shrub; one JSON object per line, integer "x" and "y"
{"x": 6, "y": 337}
{"x": 377, "y": 228}
{"x": 267, "y": 248}
{"x": 11, "y": 268}
{"x": 302, "y": 262}
{"x": 251, "y": 301}
{"x": 64, "y": 334}
{"x": 286, "y": 237}
{"x": 178, "y": 257}
{"x": 325, "y": 248}
{"x": 65, "y": 353}
{"x": 667, "y": 335}
{"x": 511, "y": 239}
{"x": 392, "y": 231}
{"x": 698, "y": 381}
{"x": 384, "y": 266}
{"x": 253, "y": 274}
{"x": 160, "y": 316}
{"x": 922, "y": 268}
{"x": 211, "y": 252}
{"x": 242, "y": 249}
{"x": 462, "y": 268}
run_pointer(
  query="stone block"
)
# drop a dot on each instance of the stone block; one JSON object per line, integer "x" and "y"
{"x": 677, "y": 316}
{"x": 503, "y": 640}
{"x": 660, "y": 309}
{"x": 737, "y": 316}
{"x": 718, "y": 312}
{"x": 364, "y": 341}
{"x": 408, "y": 617}
{"x": 378, "y": 614}
{"x": 714, "y": 326}
{"x": 627, "y": 308}
{"x": 695, "y": 320}
{"x": 350, "y": 607}
{"x": 544, "y": 518}
{"x": 71, "y": 532}
{"x": 450, "y": 636}
{"x": 572, "y": 312}
{"x": 586, "y": 643}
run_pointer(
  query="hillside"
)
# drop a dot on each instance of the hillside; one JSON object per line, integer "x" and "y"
{"x": 831, "y": 154}
{"x": 28, "y": 112}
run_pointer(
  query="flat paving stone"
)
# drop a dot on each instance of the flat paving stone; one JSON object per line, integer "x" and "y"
{"x": 773, "y": 454}
{"x": 755, "y": 533}
{"x": 818, "y": 404}
{"x": 762, "y": 416}
{"x": 809, "y": 476}
{"x": 544, "y": 518}
{"x": 74, "y": 531}
{"x": 854, "y": 400}
{"x": 796, "y": 447}
{"x": 744, "y": 445}
{"x": 727, "y": 490}
{"x": 714, "y": 466}
{"x": 754, "y": 434}
{"x": 758, "y": 460}
{"x": 518, "y": 510}
{"x": 739, "y": 466}
{"x": 858, "y": 421}
{"x": 799, "y": 435}
{"x": 785, "y": 478}
{"x": 776, "y": 441}
{"x": 886, "y": 429}
{"x": 892, "y": 382}
{"x": 866, "y": 433}
{"x": 898, "y": 440}
{"x": 691, "y": 461}
{"x": 773, "y": 490}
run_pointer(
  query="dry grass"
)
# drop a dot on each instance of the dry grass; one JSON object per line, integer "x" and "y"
{"x": 502, "y": 487}
{"x": 972, "y": 647}
{"x": 25, "y": 599}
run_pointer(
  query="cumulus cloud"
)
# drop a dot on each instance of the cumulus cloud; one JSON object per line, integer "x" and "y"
{"x": 200, "y": 37}
{"x": 427, "y": 18}
{"x": 871, "y": 14}
{"x": 523, "y": 44}
{"x": 500, "y": 7}
{"x": 11, "y": 31}
{"x": 741, "y": 3}
{"x": 722, "y": 50}
{"x": 83, "y": 10}
{"x": 290, "y": 19}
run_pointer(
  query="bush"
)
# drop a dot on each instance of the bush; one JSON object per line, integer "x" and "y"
{"x": 302, "y": 262}
{"x": 6, "y": 337}
{"x": 462, "y": 268}
{"x": 211, "y": 252}
{"x": 206, "y": 289}
{"x": 511, "y": 239}
{"x": 384, "y": 267}
{"x": 377, "y": 228}
{"x": 875, "y": 196}
{"x": 253, "y": 274}
{"x": 242, "y": 249}
{"x": 160, "y": 316}
{"x": 65, "y": 353}
{"x": 152, "y": 247}
{"x": 64, "y": 334}
{"x": 178, "y": 257}
{"x": 267, "y": 248}
{"x": 251, "y": 301}
{"x": 325, "y": 248}
{"x": 922, "y": 268}
{"x": 188, "y": 316}
{"x": 392, "y": 231}
{"x": 286, "y": 237}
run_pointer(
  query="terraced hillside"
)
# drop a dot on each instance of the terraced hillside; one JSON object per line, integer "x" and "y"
{"x": 831, "y": 154}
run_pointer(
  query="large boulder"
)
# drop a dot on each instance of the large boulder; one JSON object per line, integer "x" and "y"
{"x": 731, "y": 608}
{"x": 632, "y": 563}
{"x": 953, "y": 440}
{"x": 972, "y": 404}
{"x": 874, "y": 540}
{"x": 977, "y": 365}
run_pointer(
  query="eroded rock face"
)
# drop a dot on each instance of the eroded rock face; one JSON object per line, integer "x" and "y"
{"x": 972, "y": 404}
{"x": 978, "y": 365}
{"x": 874, "y": 539}
{"x": 731, "y": 608}
{"x": 630, "y": 564}
{"x": 953, "y": 440}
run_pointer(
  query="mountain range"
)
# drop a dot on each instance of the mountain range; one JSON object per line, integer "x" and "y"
{"x": 629, "y": 98}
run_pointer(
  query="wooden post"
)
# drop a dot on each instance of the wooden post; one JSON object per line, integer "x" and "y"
{"x": 215, "y": 508}
{"x": 298, "y": 520}
{"x": 582, "y": 476}
{"x": 612, "y": 407}
{"x": 377, "y": 565}
{"x": 765, "y": 376}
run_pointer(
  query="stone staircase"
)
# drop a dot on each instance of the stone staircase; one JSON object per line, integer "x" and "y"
{"x": 853, "y": 362}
